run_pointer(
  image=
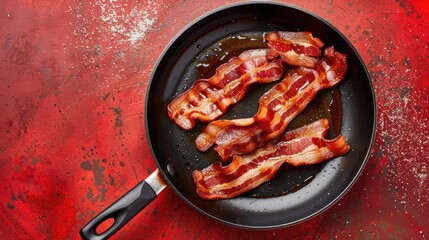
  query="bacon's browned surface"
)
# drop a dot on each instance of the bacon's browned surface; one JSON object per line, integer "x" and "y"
{"x": 303, "y": 146}
{"x": 209, "y": 98}
{"x": 277, "y": 108}
{"x": 295, "y": 48}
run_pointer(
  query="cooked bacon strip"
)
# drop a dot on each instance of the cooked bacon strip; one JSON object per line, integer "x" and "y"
{"x": 303, "y": 146}
{"x": 295, "y": 48}
{"x": 277, "y": 108}
{"x": 209, "y": 98}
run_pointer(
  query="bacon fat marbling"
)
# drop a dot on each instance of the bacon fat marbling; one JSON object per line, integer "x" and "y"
{"x": 295, "y": 48}
{"x": 277, "y": 108}
{"x": 208, "y": 99}
{"x": 303, "y": 146}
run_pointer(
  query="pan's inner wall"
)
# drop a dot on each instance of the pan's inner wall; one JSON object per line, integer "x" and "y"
{"x": 186, "y": 60}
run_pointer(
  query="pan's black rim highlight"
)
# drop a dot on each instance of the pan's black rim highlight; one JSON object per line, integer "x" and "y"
{"x": 280, "y": 224}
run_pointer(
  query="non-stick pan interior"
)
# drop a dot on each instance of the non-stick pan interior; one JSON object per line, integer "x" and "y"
{"x": 295, "y": 194}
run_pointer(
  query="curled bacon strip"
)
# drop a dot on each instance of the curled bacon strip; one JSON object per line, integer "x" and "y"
{"x": 295, "y": 48}
{"x": 277, "y": 108}
{"x": 209, "y": 98}
{"x": 303, "y": 146}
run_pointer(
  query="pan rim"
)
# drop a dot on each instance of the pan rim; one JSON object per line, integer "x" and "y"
{"x": 347, "y": 187}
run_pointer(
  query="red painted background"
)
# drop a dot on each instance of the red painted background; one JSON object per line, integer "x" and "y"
{"x": 72, "y": 89}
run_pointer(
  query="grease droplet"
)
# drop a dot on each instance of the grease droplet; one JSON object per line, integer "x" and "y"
{"x": 171, "y": 170}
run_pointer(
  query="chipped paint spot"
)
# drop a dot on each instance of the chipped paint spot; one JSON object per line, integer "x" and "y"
{"x": 86, "y": 165}
{"x": 10, "y": 205}
{"x": 90, "y": 195}
{"x": 106, "y": 96}
{"x": 98, "y": 179}
{"x": 111, "y": 180}
{"x": 118, "y": 120}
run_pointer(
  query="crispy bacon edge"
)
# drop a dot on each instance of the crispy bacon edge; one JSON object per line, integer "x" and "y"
{"x": 295, "y": 48}
{"x": 277, "y": 108}
{"x": 209, "y": 99}
{"x": 303, "y": 146}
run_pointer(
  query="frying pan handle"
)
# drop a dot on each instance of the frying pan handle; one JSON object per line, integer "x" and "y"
{"x": 125, "y": 208}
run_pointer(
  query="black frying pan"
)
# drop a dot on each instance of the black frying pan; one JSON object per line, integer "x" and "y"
{"x": 295, "y": 194}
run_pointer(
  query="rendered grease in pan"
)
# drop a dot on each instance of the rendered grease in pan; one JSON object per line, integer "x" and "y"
{"x": 171, "y": 170}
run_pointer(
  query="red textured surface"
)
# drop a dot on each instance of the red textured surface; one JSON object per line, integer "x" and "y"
{"x": 73, "y": 82}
